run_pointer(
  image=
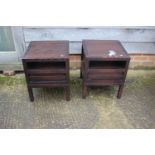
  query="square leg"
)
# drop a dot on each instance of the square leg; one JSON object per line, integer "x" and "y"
{"x": 81, "y": 73}
{"x": 120, "y": 90}
{"x": 30, "y": 91}
{"x": 67, "y": 93}
{"x": 84, "y": 91}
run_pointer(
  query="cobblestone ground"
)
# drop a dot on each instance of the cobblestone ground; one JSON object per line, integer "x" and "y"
{"x": 101, "y": 109}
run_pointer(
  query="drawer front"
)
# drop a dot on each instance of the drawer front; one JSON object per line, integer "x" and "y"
{"x": 47, "y": 78}
{"x": 47, "y": 75}
{"x": 46, "y": 71}
{"x": 104, "y": 82}
{"x": 106, "y": 74}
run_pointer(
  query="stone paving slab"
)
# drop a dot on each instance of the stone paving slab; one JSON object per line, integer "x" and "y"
{"x": 136, "y": 108}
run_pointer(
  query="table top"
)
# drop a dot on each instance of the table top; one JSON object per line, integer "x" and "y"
{"x": 47, "y": 50}
{"x": 108, "y": 49}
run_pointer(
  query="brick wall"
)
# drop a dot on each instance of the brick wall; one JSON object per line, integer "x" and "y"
{"x": 142, "y": 61}
{"x": 75, "y": 61}
{"x": 138, "y": 61}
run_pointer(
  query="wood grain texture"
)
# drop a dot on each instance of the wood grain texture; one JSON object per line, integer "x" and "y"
{"x": 132, "y": 47}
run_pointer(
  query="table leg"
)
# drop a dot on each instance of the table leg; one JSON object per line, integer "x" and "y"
{"x": 81, "y": 73}
{"x": 81, "y": 62}
{"x": 67, "y": 93}
{"x": 85, "y": 91}
{"x": 120, "y": 90}
{"x": 30, "y": 94}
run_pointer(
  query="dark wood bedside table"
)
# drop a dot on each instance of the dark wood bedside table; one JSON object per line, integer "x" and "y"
{"x": 46, "y": 64}
{"x": 104, "y": 63}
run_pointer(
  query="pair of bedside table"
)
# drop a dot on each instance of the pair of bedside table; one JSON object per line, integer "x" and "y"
{"x": 46, "y": 64}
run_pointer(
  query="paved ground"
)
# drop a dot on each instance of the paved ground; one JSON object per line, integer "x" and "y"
{"x": 101, "y": 109}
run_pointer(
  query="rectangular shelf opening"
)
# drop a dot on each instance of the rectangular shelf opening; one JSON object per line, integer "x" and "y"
{"x": 107, "y": 64}
{"x": 46, "y": 65}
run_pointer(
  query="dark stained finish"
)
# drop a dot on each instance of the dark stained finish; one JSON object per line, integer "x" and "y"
{"x": 46, "y": 64}
{"x": 99, "y": 49}
{"x": 47, "y": 50}
{"x": 101, "y": 69}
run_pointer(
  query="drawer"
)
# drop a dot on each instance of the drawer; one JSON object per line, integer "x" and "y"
{"x": 104, "y": 82}
{"x": 105, "y": 71}
{"x": 105, "y": 74}
{"x": 39, "y": 84}
{"x": 47, "y": 78}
